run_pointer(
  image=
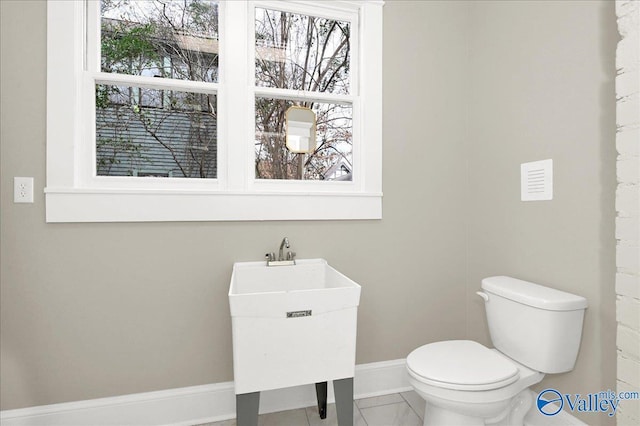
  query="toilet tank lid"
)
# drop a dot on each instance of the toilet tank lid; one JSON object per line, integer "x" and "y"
{"x": 533, "y": 294}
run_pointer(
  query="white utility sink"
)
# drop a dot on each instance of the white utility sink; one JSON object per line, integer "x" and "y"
{"x": 292, "y": 325}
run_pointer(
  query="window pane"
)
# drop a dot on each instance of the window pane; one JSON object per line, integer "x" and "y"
{"x": 172, "y": 39}
{"x": 160, "y": 133}
{"x": 332, "y": 158}
{"x": 301, "y": 52}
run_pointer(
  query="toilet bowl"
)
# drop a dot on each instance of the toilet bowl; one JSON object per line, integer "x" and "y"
{"x": 466, "y": 383}
{"x": 536, "y": 330}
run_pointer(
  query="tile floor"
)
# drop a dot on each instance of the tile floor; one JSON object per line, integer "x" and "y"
{"x": 398, "y": 409}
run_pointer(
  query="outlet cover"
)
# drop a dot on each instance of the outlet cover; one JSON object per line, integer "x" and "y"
{"x": 23, "y": 190}
{"x": 536, "y": 180}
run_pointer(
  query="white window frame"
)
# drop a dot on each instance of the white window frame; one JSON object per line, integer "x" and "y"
{"x": 75, "y": 194}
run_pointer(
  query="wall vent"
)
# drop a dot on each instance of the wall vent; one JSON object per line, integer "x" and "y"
{"x": 536, "y": 180}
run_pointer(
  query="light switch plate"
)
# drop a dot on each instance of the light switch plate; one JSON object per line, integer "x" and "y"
{"x": 23, "y": 190}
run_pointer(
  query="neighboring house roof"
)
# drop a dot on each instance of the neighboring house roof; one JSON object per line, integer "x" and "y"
{"x": 340, "y": 171}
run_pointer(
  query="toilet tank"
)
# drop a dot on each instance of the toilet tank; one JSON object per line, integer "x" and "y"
{"x": 535, "y": 325}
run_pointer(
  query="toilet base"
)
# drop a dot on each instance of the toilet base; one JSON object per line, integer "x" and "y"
{"x": 434, "y": 415}
{"x": 507, "y": 413}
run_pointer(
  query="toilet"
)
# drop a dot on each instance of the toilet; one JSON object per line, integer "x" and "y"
{"x": 536, "y": 330}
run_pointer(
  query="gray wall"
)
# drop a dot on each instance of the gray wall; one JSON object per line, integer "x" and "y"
{"x": 542, "y": 77}
{"x": 93, "y": 310}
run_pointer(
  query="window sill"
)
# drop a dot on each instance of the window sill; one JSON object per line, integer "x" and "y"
{"x": 103, "y": 205}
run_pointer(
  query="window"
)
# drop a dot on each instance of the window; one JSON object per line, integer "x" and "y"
{"x": 164, "y": 111}
{"x": 164, "y": 132}
{"x": 299, "y": 56}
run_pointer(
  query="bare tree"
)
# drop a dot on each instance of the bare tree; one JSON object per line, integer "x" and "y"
{"x": 173, "y": 133}
{"x": 316, "y": 53}
{"x": 168, "y": 132}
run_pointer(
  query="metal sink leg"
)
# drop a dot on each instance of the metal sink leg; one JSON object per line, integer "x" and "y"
{"x": 321, "y": 395}
{"x": 343, "y": 389}
{"x": 247, "y": 405}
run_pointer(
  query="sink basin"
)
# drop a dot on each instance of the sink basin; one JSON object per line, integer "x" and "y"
{"x": 272, "y": 291}
{"x": 291, "y": 325}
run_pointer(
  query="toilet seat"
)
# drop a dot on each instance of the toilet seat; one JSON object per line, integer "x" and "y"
{"x": 461, "y": 365}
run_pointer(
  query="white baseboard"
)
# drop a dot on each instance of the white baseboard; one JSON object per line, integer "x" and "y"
{"x": 199, "y": 404}
{"x": 210, "y": 403}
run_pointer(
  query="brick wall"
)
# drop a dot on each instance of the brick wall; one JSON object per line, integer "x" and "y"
{"x": 628, "y": 207}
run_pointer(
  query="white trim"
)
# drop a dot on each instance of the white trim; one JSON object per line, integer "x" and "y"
{"x": 63, "y": 120}
{"x": 68, "y": 205}
{"x": 216, "y": 402}
{"x": 338, "y": 10}
{"x": 199, "y": 404}
{"x": 234, "y": 113}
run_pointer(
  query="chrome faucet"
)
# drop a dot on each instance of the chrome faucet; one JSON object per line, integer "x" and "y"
{"x": 282, "y": 260}
{"x": 283, "y": 244}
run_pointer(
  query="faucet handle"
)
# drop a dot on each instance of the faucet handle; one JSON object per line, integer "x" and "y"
{"x": 270, "y": 256}
{"x": 291, "y": 255}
